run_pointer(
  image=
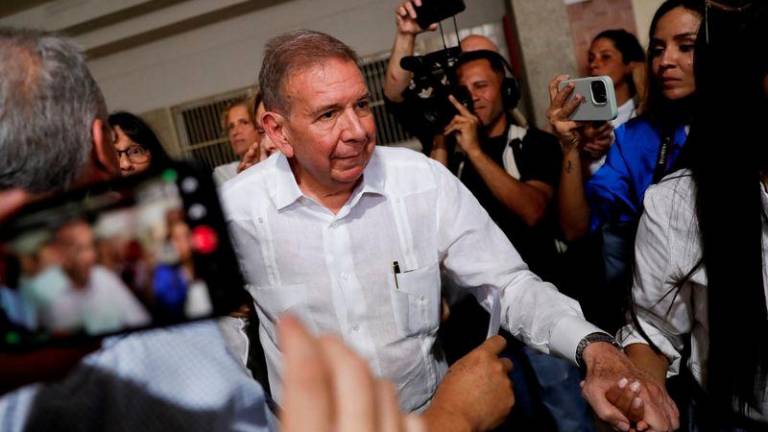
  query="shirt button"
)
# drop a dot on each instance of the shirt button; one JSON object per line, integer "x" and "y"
{"x": 355, "y": 328}
{"x": 344, "y": 276}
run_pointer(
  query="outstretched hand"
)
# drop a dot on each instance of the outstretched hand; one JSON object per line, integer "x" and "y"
{"x": 476, "y": 392}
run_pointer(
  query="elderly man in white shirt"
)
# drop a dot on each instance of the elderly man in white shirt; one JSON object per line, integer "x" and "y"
{"x": 352, "y": 239}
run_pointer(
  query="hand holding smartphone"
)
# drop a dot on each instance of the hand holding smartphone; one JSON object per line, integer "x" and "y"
{"x": 138, "y": 252}
{"x": 599, "y": 103}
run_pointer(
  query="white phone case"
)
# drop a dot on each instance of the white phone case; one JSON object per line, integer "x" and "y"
{"x": 591, "y": 109}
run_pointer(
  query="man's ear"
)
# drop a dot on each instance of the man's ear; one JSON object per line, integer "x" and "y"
{"x": 275, "y": 127}
{"x": 103, "y": 151}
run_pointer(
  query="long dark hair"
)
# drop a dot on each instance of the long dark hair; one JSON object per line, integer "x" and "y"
{"x": 140, "y": 133}
{"x": 731, "y": 110}
{"x": 731, "y": 107}
{"x": 665, "y": 113}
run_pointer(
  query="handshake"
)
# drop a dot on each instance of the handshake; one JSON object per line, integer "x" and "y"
{"x": 328, "y": 387}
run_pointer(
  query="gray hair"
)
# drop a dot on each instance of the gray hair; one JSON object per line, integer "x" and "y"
{"x": 48, "y": 102}
{"x": 292, "y": 52}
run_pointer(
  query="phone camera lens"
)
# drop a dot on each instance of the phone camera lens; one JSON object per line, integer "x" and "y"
{"x": 599, "y": 92}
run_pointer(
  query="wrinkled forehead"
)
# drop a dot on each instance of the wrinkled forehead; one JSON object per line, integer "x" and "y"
{"x": 320, "y": 83}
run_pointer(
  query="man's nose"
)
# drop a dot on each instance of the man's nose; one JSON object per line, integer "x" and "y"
{"x": 353, "y": 127}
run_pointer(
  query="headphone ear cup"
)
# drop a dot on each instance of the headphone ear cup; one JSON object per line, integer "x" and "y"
{"x": 510, "y": 90}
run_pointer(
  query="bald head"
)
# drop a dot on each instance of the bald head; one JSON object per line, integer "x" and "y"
{"x": 477, "y": 42}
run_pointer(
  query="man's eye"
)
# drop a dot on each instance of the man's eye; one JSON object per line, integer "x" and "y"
{"x": 328, "y": 115}
{"x": 363, "y": 104}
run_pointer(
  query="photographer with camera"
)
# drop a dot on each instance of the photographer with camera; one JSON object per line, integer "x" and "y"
{"x": 514, "y": 183}
{"x": 512, "y": 171}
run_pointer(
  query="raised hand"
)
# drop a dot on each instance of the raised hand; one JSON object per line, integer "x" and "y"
{"x": 405, "y": 14}
{"x": 464, "y": 126}
{"x": 329, "y": 388}
{"x": 568, "y": 132}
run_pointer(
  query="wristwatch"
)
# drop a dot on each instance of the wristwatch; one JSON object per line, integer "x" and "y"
{"x": 591, "y": 338}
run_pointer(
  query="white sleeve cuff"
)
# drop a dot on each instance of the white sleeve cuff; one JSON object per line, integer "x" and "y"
{"x": 566, "y": 335}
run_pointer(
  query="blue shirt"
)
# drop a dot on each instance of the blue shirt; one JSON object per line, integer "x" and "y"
{"x": 615, "y": 193}
{"x": 174, "y": 378}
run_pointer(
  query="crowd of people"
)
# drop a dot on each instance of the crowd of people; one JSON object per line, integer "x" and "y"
{"x": 598, "y": 273}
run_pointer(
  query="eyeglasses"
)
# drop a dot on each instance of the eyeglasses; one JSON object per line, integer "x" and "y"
{"x": 135, "y": 154}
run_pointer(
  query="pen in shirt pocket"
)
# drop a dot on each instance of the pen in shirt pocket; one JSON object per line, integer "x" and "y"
{"x": 396, "y": 271}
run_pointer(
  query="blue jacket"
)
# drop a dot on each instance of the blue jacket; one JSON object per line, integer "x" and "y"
{"x": 615, "y": 193}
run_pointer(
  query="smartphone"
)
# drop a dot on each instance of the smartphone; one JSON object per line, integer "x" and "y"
{"x": 599, "y": 102}
{"x": 139, "y": 252}
{"x": 432, "y": 11}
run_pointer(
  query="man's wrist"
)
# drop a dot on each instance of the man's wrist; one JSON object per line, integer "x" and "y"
{"x": 474, "y": 151}
{"x": 405, "y": 36}
{"x": 592, "y": 345}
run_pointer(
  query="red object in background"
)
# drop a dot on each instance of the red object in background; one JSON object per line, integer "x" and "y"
{"x": 204, "y": 239}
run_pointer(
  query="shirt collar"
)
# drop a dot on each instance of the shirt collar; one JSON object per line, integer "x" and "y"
{"x": 285, "y": 191}
{"x": 373, "y": 175}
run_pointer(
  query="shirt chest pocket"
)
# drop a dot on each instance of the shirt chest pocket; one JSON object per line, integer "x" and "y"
{"x": 416, "y": 300}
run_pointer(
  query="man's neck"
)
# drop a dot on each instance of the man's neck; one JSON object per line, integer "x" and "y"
{"x": 331, "y": 197}
{"x": 497, "y": 128}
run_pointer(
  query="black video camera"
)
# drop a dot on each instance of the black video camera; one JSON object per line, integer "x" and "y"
{"x": 434, "y": 79}
{"x": 434, "y": 74}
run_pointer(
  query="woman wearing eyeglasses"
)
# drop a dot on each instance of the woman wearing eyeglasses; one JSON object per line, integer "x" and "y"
{"x": 136, "y": 144}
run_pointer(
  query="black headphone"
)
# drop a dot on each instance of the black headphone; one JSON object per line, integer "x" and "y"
{"x": 510, "y": 88}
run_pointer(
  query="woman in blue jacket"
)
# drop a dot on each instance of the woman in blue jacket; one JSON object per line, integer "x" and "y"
{"x": 646, "y": 148}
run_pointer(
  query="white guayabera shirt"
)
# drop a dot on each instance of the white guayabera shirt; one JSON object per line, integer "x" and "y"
{"x": 337, "y": 272}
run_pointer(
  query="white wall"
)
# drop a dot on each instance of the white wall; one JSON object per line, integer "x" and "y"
{"x": 227, "y": 55}
{"x": 644, "y": 10}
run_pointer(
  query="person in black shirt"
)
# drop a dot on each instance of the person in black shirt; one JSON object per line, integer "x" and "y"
{"x": 510, "y": 169}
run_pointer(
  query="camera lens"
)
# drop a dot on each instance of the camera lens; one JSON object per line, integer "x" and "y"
{"x": 599, "y": 92}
